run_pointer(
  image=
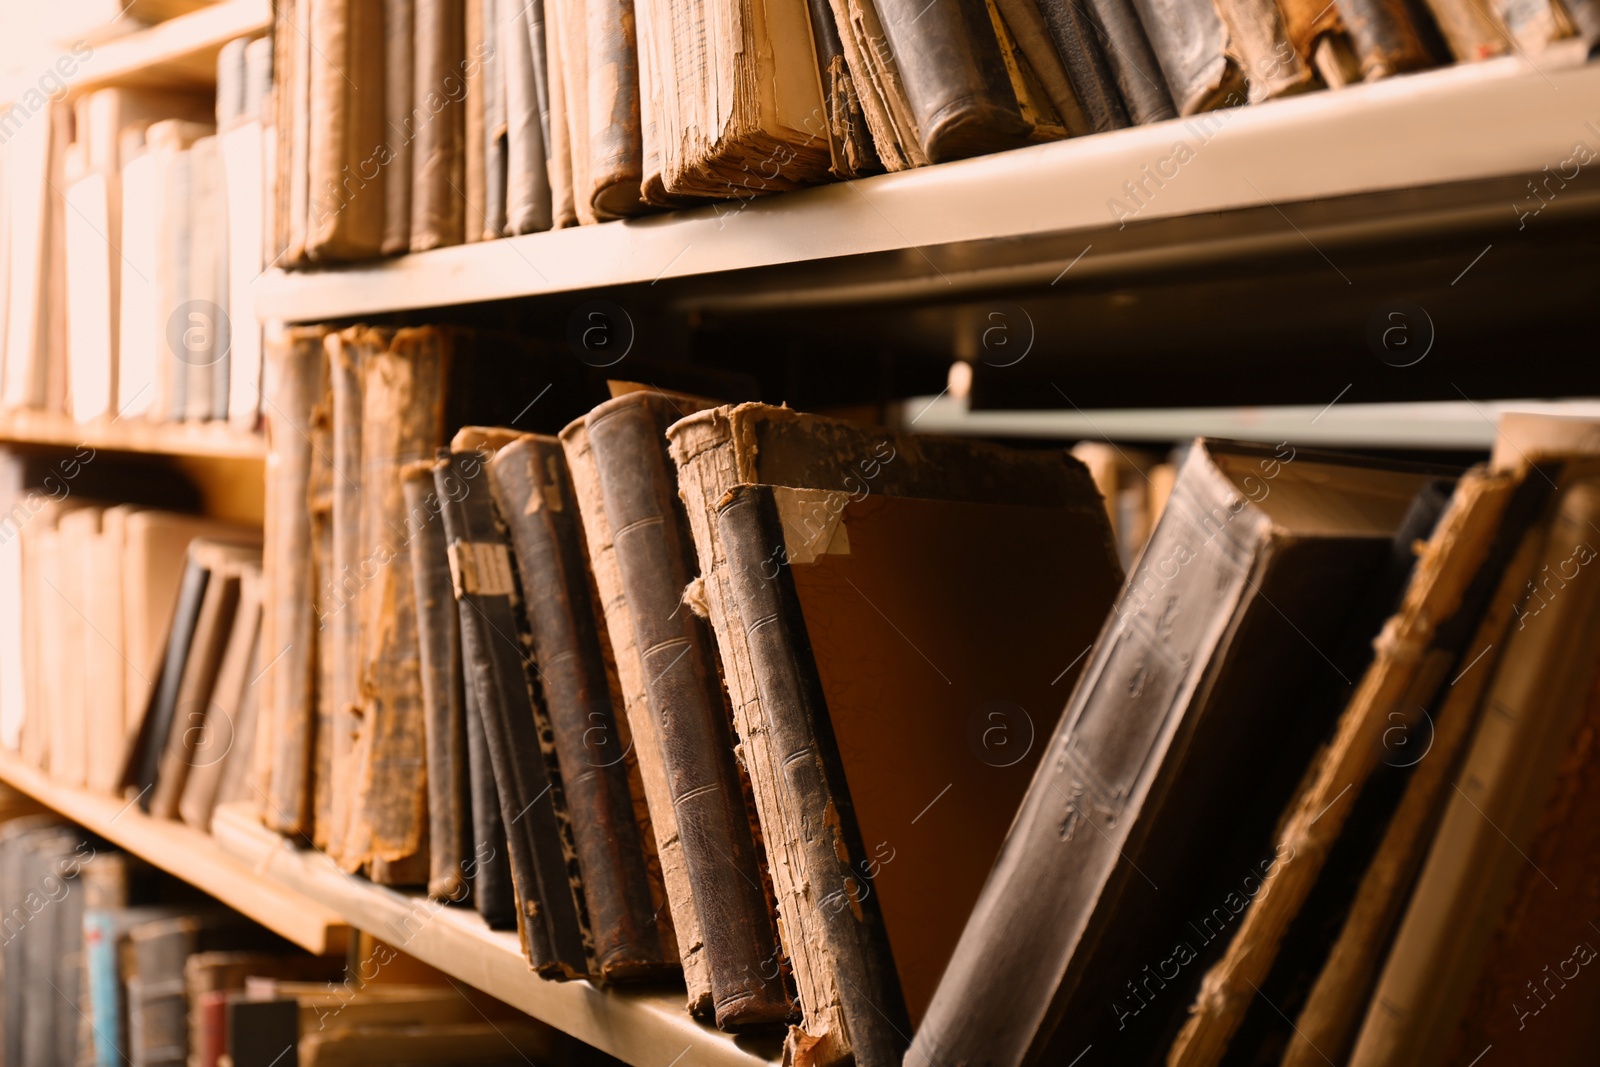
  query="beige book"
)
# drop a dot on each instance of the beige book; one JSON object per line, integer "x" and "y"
{"x": 564, "y": 146}
{"x": 105, "y": 663}
{"x": 92, "y": 269}
{"x": 28, "y": 178}
{"x": 69, "y": 734}
{"x": 473, "y": 162}
{"x": 154, "y": 365}
{"x": 198, "y": 339}
{"x": 345, "y": 171}
{"x": 1479, "y": 851}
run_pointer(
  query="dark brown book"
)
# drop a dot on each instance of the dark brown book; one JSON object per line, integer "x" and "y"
{"x": 655, "y": 555}
{"x": 898, "y": 546}
{"x": 493, "y": 894}
{"x": 444, "y": 719}
{"x": 1254, "y": 567}
{"x": 438, "y": 153}
{"x": 497, "y": 664}
{"x": 533, "y": 492}
{"x": 323, "y": 499}
{"x": 158, "y": 1009}
{"x": 288, "y": 625}
{"x": 400, "y": 123}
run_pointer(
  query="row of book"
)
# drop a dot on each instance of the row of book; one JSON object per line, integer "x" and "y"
{"x": 134, "y": 224}
{"x": 484, "y": 118}
{"x": 106, "y": 962}
{"x": 824, "y": 715}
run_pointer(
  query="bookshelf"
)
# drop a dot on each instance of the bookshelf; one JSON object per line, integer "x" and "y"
{"x": 200, "y": 440}
{"x": 190, "y": 855}
{"x": 645, "y": 1028}
{"x": 178, "y": 53}
{"x": 1469, "y": 136}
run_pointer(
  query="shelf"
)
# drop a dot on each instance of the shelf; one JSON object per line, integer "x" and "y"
{"x": 176, "y": 54}
{"x": 1405, "y": 158}
{"x": 648, "y": 1029}
{"x": 190, "y": 855}
{"x": 214, "y": 440}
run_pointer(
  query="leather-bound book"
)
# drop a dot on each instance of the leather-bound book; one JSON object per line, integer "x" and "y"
{"x": 1190, "y": 42}
{"x": 158, "y": 1009}
{"x": 497, "y": 664}
{"x": 345, "y": 200}
{"x": 224, "y": 726}
{"x": 655, "y": 563}
{"x": 614, "y": 138}
{"x": 521, "y": 56}
{"x": 533, "y": 493}
{"x": 492, "y": 891}
{"x": 144, "y": 757}
{"x": 936, "y": 619}
{"x": 1093, "y": 71}
{"x": 288, "y": 623}
{"x": 400, "y": 122}
{"x": 642, "y": 725}
{"x": 1258, "y": 558}
{"x": 438, "y": 153}
{"x": 322, "y": 495}
{"x": 472, "y": 124}
{"x": 444, "y": 719}
{"x": 1356, "y": 40}
{"x": 558, "y": 147}
{"x": 850, "y": 151}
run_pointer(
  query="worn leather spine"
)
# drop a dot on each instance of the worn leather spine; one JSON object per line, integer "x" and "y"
{"x": 644, "y": 731}
{"x": 527, "y": 178}
{"x": 495, "y": 169}
{"x": 399, "y": 124}
{"x": 472, "y": 171}
{"x": 615, "y": 140}
{"x": 534, "y": 495}
{"x": 402, "y": 422}
{"x": 655, "y": 555}
{"x": 797, "y": 715}
{"x": 1094, "y": 74}
{"x": 438, "y": 161}
{"x": 493, "y": 893}
{"x": 444, "y": 720}
{"x": 346, "y": 198}
{"x": 850, "y": 150}
{"x": 1190, "y": 42}
{"x": 293, "y": 375}
{"x": 497, "y": 661}
{"x": 1384, "y": 37}
{"x": 320, "y": 503}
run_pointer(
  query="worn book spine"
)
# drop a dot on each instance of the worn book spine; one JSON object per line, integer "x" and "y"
{"x": 563, "y": 206}
{"x": 444, "y": 723}
{"x": 323, "y": 494}
{"x": 472, "y": 171}
{"x": 400, "y": 125}
{"x": 654, "y": 555}
{"x": 438, "y": 161}
{"x": 954, "y": 78}
{"x": 642, "y": 726}
{"x": 224, "y": 728}
{"x": 294, "y": 375}
{"x": 346, "y": 194}
{"x": 527, "y": 177}
{"x": 402, "y": 421}
{"x": 495, "y": 170}
{"x": 533, "y": 492}
{"x": 1383, "y": 35}
{"x": 492, "y": 892}
{"x": 551, "y": 917}
{"x": 158, "y": 721}
{"x": 1093, "y": 72}
{"x": 855, "y": 942}
{"x": 158, "y": 1011}
{"x": 1190, "y": 42}
{"x": 850, "y": 151}
{"x": 615, "y": 140}
{"x": 1258, "y": 40}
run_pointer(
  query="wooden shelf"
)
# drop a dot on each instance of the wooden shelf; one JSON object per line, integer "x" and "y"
{"x": 186, "y": 853}
{"x": 215, "y": 440}
{"x": 648, "y": 1029}
{"x": 178, "y": 53}
{"x": 1401, "y": 159}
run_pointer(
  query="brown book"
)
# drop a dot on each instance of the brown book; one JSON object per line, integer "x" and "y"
{"x": 631, "y": 930}
{"x": 345, "y": 198}
{"x": 321, "y": 497}
{"x": 850, "y": 150}
{"x": 491, "y": 28}
{"x": 566, "y": 27}
{"x": 558, "y": 159}
{"x": 401, "y": 123}
{"x": 1472, "y": 30}
{"x": 642, "y": 724}
{"x": 438, "y": 160}
{"x": 288, "y": 624}
{"x": 614, "y": 138}
{"x": 472, "y": 123}
{"x": 224, "y": 724}
{"x": 1118, "y": 844}
{"x": 890, "y": 660}
{"x": 1479, "y": 852}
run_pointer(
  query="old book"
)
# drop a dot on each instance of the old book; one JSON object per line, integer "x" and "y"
{"x": 76, "y": 535}
{"x": 225, "y": 724}
{"x": 1191, "y": 44}
{"x": 655, "y": 562}
{"x": 520, "y": 54}
{"x": 149, "y": 744}
{"x": 1115, "y": 24}
{"x": 1159, "y": 739}
{"x": 566, "y": 29}
{"x": 345, "y": 178}
{"x": 1072, "y": 32}
{"x": 497, "y": 665}
{"x": 1472, "y": 31}
{"x": 642, "y": 724}
{"x": 631, "y": 930}
{"x": 401, "y": 121}
{"x": 158, "y": 1011}
{"x": 1048, "y": 495}
{"x": 450, "y": 844}
{"x": 105, "y": 673}
{"x": 24, "y": 888}
{"x": 1535, "y": 24}
{"x": 1531, "y": 709}
{"x": 292, "y": 61}
{"x": 558, "y": 147}
{"x": 615, "y": 167}
{"x": 91, "y": 300}
{"x": 1343, "y": 985}
{"x": 493, "y": 895}
{"x": 438, "y": 215}
{"x": 204, "y": 336}
{"x": 474, "y": 86}
{"x": 329, "y": 598}
{"x": 495, "y": 163}
{"x": 242, "y": 141}
{"x": 736, "y": 118}
{"x": 32, "y": 165}
{"x": 294, "y": 375}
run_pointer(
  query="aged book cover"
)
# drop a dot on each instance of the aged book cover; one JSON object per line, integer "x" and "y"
{"x": 346, "y": 111}
{"x": 438, "y": 153}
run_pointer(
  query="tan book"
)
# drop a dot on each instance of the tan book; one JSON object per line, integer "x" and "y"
{"x": 105, "y": 666}
{"x": 1480, "y": 850}
{"x": 224, "y": 725}
{"x": 472, "y": 124}
{"x": 563, "y": 206}
{"x": 345, "y": 195}
{"x": 438, "y": 160}
{"x": 76, "y": 535}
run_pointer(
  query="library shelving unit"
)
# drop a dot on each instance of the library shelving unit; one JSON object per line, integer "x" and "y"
{"x": 1245, "y": 272}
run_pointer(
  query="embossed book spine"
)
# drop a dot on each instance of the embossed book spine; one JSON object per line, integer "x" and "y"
{"x": 534, "y": 493}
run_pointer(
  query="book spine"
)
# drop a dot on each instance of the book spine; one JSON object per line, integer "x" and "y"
{"x": 616, "y": 147}
{"x": 438, "y": 216}
{"x": 527, "y": 177}
{"x": 496, "y": 659}
{"x": 341, "y": 590}
{"x": 472, "y": 170}
{"x": 534, "y": 494}
{"x": 449, "y": 798}
{"x": 345, "y": 200}
{"x": 1096, "y": 76}
{"x": 563, "y": 209}
{"x": 845, "y": 910}
{"x": 1190, "y": 42}
{"x": 1385, "y": 38}
{"x": 681, "y": 680}
{"x": 401, "y": 123}
{"x": 105, "y": 986}
{"x": 495, "y": 13}
{"x": 490, "y": 868}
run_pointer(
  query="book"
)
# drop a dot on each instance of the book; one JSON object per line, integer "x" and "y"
{"x": 493, "y": 894}
{"x": 105, "y": 671}
{"x": 959, "y": 489}
{"x": 642, "y": 724}
{"x": 559, "y": 146}
{"x": 473, "y": 153}
{"x": 228, "y": 719}
{"x": 344, "y": 199}
{"x": 205, "y": 337}
{"x": 76, "y": 533}
{"x": 401, "y": 116}
{"x": 520, "y": 57}
{"x": 293, "y": 374}
{"x": 263, "y": 1032}
{"x": 91, "y": 295}
{"x": 1190, "y": 42}
{"x": 850, "y": 150}
{"x": 497, "y": 665}
{"x": 630, "y": 926}
{"x": 1115, "y": 26}
{"x": 496, "y": 169}
{"x": 1158, "y": 740}
{"x": 615, "y": 167}
{"x": 243, "y": 139}
{"x": 438, "y": 216}
{"x": 150, "y": 741}
{"x": 1478, "y": 852}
